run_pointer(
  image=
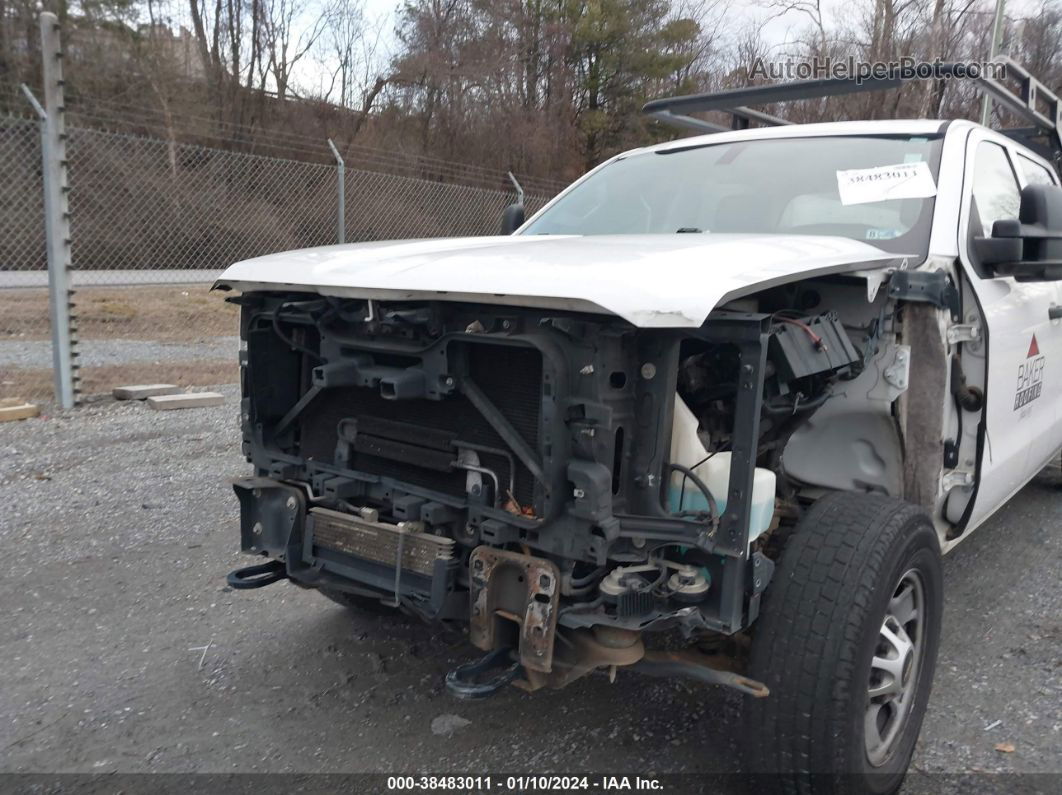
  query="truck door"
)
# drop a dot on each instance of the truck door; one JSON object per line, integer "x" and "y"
{"x": 1033, "y": 172}
{"x": 1024, "y": 345}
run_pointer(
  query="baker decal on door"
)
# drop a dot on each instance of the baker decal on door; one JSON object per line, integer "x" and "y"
{"x": 1030, "y": 377}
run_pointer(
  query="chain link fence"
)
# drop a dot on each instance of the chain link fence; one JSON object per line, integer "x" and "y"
{"x": 153, "y": 221}
{"x": 24, "y": 323}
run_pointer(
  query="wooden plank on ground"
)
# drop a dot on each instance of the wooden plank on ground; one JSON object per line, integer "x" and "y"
{"x": 144, "y": 391}
{"x": 17, "y": 409}
{"x": 189, "y": 401}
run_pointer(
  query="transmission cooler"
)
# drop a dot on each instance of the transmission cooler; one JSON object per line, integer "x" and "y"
{"x": 318, "y": 546}
{"x": 415, "y": 552}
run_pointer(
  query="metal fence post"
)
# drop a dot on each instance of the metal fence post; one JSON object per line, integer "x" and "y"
{"x": 57, "y": 216}
{"x": 341, "y": 168}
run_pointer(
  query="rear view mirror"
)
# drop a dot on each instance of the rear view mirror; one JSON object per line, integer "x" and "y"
{"x": 1030, "y": 248}
{"x": 512, "y": 218}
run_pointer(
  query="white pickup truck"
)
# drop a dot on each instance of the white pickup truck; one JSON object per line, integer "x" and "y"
{"x": 745, "y": 387}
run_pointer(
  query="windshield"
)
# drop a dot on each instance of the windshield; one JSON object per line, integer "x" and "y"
{"x": 794, "y": 186}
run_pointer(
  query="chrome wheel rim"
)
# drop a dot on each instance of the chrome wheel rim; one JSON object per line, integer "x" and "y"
{"x": 895, "y": 668}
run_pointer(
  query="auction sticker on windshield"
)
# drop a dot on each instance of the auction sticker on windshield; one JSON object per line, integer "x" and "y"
{"x": 883, "y": 183}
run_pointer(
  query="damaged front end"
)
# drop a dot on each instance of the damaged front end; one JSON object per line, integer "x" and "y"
{"x": 538, "y": 474}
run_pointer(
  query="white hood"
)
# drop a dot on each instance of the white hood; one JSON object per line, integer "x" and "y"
{"x": 649, "y": 280}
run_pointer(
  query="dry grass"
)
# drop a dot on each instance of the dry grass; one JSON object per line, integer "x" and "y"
{"x": 23, "y": 382}
{"x": 98, "y": 380}
{"x": 169, "y": 314}
{"x": 32, "y": 385}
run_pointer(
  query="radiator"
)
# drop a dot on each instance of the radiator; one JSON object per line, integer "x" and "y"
{"x": 510, "y": 376}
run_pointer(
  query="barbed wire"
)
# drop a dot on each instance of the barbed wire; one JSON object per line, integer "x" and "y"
{"x": 112, "y": 115}
{"x": 103, "y": 112}
{"x": 153, "y": 220}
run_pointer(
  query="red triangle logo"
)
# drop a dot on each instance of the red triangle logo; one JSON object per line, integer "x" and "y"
{"x": 1034, "y": 349}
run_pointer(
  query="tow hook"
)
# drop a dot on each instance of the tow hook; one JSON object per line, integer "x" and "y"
{"x": 466, "y": 682}
{"x": 257, "y": 576}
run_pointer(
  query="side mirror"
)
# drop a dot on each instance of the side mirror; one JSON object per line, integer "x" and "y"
{"x": 1030, "y": 248}
{"x": 512, "y": 218}
{"x": 1005, "y": 246}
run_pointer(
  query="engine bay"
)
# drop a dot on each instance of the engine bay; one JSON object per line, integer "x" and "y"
{"x": 544, "y": 474}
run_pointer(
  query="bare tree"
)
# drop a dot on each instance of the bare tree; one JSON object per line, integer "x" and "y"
{"x": 206, "y": 16}
{"x": 291, "y": 29}
{"x": 156, "y": 68}
{"x": 811, "y": 10}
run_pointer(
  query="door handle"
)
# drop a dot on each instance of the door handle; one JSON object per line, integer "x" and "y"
{"x": 1055, "y": 313}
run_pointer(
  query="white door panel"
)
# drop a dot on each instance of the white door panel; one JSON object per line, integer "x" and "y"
{"x": 1042, "y": 376}
{"x": 1020, "y": 410}
{"x": 1023, "y": 424}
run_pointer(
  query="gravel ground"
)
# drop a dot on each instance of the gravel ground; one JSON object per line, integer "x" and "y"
{"x": 124, "y": 651}
{"x": 101, "y": 353}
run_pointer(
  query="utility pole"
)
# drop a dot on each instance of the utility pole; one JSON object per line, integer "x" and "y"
{"x": 993, "y": 51}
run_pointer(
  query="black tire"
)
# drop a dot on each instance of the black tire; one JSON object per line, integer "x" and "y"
{"x": 853, "y": 560}
{"x": 353, "y": 601}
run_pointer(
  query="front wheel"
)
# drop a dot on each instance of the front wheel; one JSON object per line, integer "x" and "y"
{"x": 847, "y": 643}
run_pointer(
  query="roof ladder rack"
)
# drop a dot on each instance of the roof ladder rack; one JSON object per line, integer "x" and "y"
{"x": 1025, "y": 103}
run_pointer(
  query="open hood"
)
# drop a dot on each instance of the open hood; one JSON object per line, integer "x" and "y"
{"x": 649, "y": 280}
